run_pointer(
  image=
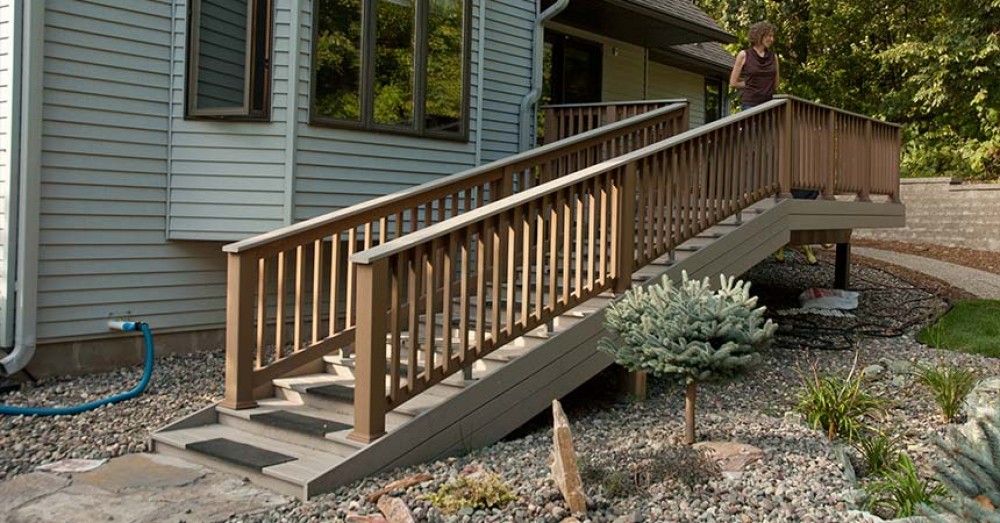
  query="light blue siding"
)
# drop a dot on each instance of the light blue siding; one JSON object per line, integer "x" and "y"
{"x": 507, "y": 72}
{"x": 103, "y": 249}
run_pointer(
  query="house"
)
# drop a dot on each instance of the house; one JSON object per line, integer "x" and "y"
{"x": 137, "y": 137}
{"x": 349, "y": 187}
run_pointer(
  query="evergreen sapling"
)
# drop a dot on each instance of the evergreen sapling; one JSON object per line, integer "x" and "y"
{"x": 688, "y": 331}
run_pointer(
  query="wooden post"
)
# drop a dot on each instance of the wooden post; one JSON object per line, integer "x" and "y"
{"x": 625, "y": 228}
{"x": 842, "y": 266}
{"x": 829, "y": 185}
{"x": 635, "y": 385}
{"x": 785, "y": 153}
{"x": 240, "y": 286}
{"x": 369, "y": 370}
{"x": 867, "y": 169}
{"x": 689, "y": 408}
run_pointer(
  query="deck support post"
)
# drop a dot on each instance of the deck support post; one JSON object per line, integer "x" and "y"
{"x": 842, "y": 266}
{"x": 635, "y": 385}
{"x": 369, "y": 370}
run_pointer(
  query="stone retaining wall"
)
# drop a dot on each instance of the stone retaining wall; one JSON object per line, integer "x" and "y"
{"x": 943, "y": 214}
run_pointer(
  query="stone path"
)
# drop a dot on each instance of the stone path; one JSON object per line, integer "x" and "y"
{"x": 983, "y": 284}
{"x": 138, "y": 488}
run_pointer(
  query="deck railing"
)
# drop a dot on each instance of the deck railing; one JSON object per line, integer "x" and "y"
{"x": 293, "y": 294}
{"x": 565, "y": 120}
{"x": 451, "y": 293}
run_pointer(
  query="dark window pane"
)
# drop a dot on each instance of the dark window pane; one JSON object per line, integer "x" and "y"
{"x": 337, "y": 59}
{"x": 394, "y": 62}
{"x": 222, "y": 54}
{"x": 445, "y": 38}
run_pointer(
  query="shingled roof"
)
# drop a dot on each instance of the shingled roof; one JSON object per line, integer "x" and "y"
{"x": 681, "y": 9}
{"x": 710, "y": 52}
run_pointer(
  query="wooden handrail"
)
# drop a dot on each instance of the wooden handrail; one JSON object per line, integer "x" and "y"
{"x": 565, "y": 120}
{"x": 510, "y": 266}
{"x": 425, "y": 191}
{"x": 293, "y": 293}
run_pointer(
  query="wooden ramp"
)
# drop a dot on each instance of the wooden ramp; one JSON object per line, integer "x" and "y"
{"x": 296, "y": 441}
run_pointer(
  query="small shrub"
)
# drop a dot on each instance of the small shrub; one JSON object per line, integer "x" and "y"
{"x": 949, "y": 385}
{"x": 881, "y": 454}
{"x": 902, "y": 491}
{"x": 477, "y": 492}
{"x": 683, "y": 465}
{"x": 689, "y": 332}
{"x": 836, "y": 403}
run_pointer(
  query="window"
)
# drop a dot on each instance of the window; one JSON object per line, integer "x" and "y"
{"x": 229, "y": 55}
{"x": 713, "y": 99}
{"x": 392, "y": 65}
{"x": 575, "y": 69}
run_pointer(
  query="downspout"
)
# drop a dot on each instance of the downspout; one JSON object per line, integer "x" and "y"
{"x": 29, "y": 182}
{"x": 10, "y": 205}
{"x": 291, "y": 110}
{"x": 481, "y": 86}
{"x": 528, "y": 102}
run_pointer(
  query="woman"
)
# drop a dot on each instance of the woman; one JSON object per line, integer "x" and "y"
{"x": 758, "y": 66}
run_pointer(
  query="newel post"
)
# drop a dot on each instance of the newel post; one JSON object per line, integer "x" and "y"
{"x": 369, "y": 342}
{"x": 240, "y": 286}
{"x": 624, "y": 229}
{"x": 785, "y": 153}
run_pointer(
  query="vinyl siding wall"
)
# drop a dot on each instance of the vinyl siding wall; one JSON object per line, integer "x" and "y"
{"x": 125, "y": 178}
{"x": 670, "y": 82}
{"x": 627, "y": 74}
{"x": 103, "y": 250}
{"x": 507, "y": 71}
{"x": 227, "y": 178}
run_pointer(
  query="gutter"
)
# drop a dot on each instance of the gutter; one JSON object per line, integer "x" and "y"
{"x": 524, "y": 137}
{"x": 27, "y": 176}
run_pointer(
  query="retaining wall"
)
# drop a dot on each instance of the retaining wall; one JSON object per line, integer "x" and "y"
{"x": 944, "y": 214}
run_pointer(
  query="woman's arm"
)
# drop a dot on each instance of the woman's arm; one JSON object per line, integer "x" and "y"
{"x": 734, "y": 77}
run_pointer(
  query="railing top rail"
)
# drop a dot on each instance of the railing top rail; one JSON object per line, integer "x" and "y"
{"x": 837, "y": 110}
{"x": 607, "y": 104}
{"x": 441, "y": 229}
{"x": 367, "y": 207}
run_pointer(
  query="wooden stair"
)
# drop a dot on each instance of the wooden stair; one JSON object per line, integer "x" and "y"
{"x": 296, "y": 442}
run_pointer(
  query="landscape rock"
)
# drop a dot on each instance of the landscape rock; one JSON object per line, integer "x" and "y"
{"x": 395, "y": 510}
{"x": 983, "y": 399}
{"x": 872, "y": 371}
{"x": 731, "y": 456}
{"x": 564, "y": 471}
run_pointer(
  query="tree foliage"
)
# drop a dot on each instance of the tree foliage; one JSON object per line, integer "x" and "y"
{"x": 929, "y": 65}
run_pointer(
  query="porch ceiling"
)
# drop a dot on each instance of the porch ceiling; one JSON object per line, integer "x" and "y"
{"x": 648, "y": 23}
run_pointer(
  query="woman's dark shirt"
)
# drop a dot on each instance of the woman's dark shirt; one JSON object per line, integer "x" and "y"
{"x": 759, "y": 74}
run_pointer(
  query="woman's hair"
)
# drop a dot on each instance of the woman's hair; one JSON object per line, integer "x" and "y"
{"x": 759, "y": 30}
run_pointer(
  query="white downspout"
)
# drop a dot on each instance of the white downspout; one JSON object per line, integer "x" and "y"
{"x": 481, "y": 82}
{"x": 33, "y": 51}
{"x": 530, "y": 99}
{"x": 10, "y": 211}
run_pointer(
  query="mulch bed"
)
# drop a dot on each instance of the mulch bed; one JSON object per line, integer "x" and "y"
{"x": 988, "y": 261}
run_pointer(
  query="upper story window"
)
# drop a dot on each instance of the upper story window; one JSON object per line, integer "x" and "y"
{"x": 229, "y": 56}
{"x": 714, "y": 99}
{"x": 392, "y": 65}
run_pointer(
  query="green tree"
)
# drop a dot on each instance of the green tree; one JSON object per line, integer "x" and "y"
{"x": 929, "y": 65}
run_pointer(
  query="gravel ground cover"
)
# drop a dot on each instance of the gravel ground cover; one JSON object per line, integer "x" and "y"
{"x": 800, "y": 478}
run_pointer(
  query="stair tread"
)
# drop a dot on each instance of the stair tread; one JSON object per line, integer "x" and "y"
{"x": 306, "y": 463}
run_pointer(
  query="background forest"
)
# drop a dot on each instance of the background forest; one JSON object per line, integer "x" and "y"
{"x": 933, "y": 66}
